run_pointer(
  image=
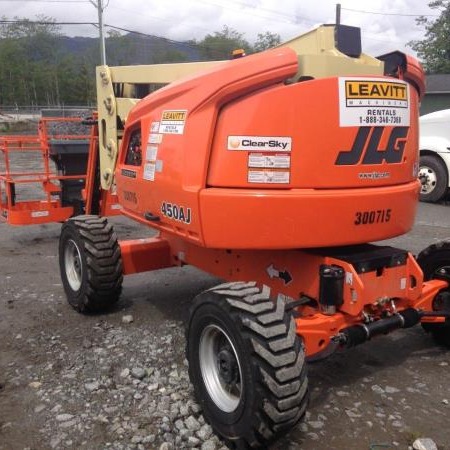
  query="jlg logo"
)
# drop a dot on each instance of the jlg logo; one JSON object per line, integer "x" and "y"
{"x": 368, "y": 138}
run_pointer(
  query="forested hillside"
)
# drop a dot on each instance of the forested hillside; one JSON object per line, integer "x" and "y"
{"x": 39, "y": 65}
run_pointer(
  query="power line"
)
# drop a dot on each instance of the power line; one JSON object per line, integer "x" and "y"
{"x": 48, "y": 1}
{"x": 388, "y": 41}
{"x": 294, "y": 19}
{"x": 40, "y": 22}
{"x": 33, "y": 22}
{"x": 171, "y": 41}
{"x": 188, "y": 44}
{"x": 157, "y": 18}
{"x": 390, "y": 14}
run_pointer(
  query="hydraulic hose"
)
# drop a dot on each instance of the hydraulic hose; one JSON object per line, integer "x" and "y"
{"x": 357, "y": 334}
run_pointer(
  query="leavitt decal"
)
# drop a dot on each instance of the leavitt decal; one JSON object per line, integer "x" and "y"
{"x": 373, "y": 101}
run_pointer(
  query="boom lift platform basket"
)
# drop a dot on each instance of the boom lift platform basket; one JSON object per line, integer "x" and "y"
{"x": 51, "y": 176}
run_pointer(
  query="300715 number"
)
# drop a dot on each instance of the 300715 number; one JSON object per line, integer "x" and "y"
{"x": 371, "y": 217}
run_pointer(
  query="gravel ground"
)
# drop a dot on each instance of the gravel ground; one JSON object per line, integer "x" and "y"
{"x": 119, "y": 380}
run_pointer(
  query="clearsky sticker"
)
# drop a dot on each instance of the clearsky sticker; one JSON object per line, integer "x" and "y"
{"x": 260, "y": 143}
{"x": 373, "y": 102}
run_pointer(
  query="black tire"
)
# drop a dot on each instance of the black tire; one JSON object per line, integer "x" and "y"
{"x": 246, "y": 363}
{"x": 434, "y": 178}
{"x": 90, "y": 263}
{"x": 435, "y": 262}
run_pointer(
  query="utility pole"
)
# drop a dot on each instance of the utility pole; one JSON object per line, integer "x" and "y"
{"x": 101, "y": 7}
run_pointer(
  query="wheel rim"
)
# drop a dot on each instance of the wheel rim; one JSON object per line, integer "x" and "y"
{"x": 442, "y": 271}
{"x": 220, "y": 368}
{"x": 428, "y": 179}
{"x": 73, "y": 265}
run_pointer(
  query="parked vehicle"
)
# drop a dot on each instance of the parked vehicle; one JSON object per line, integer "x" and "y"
{"x": 434, "y": 148}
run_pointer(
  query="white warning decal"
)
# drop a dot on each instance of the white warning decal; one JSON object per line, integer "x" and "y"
{"x": 36, "y": 214}
{"x": 268, "y": 177}
{"x": 149, "y": 171}
{"x": 154, "y": 127}
{"x": 373, "y": 102}
{"x": 151, "y": 153}
{"x": 259, "y": 160}
{"x": 155, "y": 138}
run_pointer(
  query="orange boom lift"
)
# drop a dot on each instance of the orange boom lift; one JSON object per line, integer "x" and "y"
{"x": 274, "y": 172}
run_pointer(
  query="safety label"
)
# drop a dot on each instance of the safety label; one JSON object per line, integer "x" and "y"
{"x": 402, "y": 283}
{"x": 260, "y": 143}
{"x": 268, "y": 177}
{"x": 154, "y": 127}
{"x": 155, "y": 138}
{"x": 373, "y": 102}
{"x": 36, "y": 214}
{"x": 278, "y": 161}
{"x": 172, "y": 122}
{"x": 152, "y": 152}
{"x": 149, "y": 171}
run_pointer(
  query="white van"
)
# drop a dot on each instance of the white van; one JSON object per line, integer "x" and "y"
{"x": 434, "y": 145}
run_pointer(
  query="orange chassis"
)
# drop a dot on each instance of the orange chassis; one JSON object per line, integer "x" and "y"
{"x": 377, "y": 284}
{"x": 293, "y": 273}
{"x": 242, "y": 229}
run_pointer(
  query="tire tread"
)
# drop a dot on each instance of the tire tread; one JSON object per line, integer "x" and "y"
{"x": 103, "y": 261}
{"x": 277, "y": 356}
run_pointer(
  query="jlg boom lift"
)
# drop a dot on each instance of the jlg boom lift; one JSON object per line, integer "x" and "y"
{"x": 274, "y": 172}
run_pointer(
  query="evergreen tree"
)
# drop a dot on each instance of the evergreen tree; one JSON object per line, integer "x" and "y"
{"x": 266, "y": 41}
{"x": 220, "y": 45}
{"x": 28, "y": 62}
{"x": 36, "y": 67}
